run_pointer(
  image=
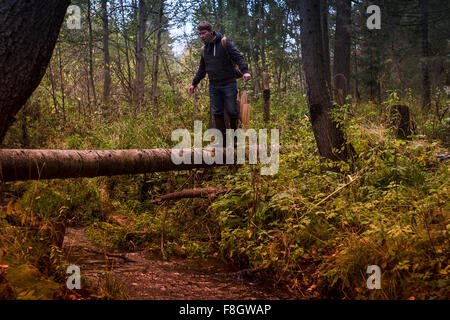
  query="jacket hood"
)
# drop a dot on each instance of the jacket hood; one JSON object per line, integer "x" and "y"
{"x": 217, "y": 37}
{"x": 211, "y": 46}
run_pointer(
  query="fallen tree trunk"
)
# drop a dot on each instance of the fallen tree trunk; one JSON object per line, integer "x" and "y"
{"x": 27, "y": 164}
{"x": 192, "y": 193}
{"x": 33, "y": 164}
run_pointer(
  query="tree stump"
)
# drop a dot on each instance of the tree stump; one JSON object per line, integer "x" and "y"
{"x": 244, "y": 109}
{"x": 400, "y": 121}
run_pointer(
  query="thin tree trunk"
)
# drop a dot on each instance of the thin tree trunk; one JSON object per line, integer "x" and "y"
{"x": 127, "y": 56}
{"x": 88, "y": 89}
{"x": 342, "y": 51}
{"x": 279, "y": 80}
{"x": 167, "y": 71}
{"x": 157, "y": 54}
{"x": 266, "y": 96}
{"x": 63, "y": 104}
{"x": 53, "y": 89}
{"x": 140, "y": 61}
{"x": 426, "y": 84}
{"x": 91, "y": 60}
{"x": 29, "y": 30}
{"x": 262, "y": 37}
{"x": 330, "y": 139}
{"x": 357, "y": 94}
{"x": 106, "y": 58}
{"x": 219, "y": 17}
{"x": 24, "y": 139}
{"x": 254, "y": 54}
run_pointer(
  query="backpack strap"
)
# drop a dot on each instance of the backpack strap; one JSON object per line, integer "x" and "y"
{"x": 224, "y": 45}
{"x": 236, "y": 67}
{"x": 224, "y": 42}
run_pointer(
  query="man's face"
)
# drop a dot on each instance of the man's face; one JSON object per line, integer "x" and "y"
{"x": 205, "y": 35}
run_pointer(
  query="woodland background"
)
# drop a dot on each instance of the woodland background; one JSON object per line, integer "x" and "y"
{"x": 117, "y": 84}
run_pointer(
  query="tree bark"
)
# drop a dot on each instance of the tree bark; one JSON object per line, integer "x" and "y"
{"x": 167, "y": 71}
{"x": 91, "y": 59}
{"x": 28, "y": 34}
{"x": 157, "y": 55}
{"x": 426, "y": 85}
{"x": 35, "y": 164}
{"x": 325, "y": 40}
{"x": 253, "y": 54}
{"x": 29, "y": 164}
{"x": 342, "y": 49}
{"x": 127, "y": 56}
{"x": 266, "y": 96}
{"x": 61, "y": 79}
{"x": 329, "y": 138}
{"x": 140, "y": 60}
{"x": 106, "y": 58}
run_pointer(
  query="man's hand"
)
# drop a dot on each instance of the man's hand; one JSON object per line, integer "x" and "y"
{"x": 191, "y": 89}
{"x": 247, "y": 76}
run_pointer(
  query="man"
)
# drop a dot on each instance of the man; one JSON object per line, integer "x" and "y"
{"x": 218, "y": 62}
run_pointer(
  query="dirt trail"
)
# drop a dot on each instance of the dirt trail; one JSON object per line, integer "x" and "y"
{"x": 145, "y": 277}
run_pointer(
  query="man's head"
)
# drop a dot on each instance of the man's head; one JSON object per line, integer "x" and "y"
{"x": 205, "y": 31}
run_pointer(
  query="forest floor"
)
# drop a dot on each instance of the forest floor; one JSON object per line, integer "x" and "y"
{"x": 143, "y": 276}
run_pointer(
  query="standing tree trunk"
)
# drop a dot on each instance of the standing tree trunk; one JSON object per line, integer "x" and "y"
{"x": 342, "y": 50}
{"x": 140, "y": 60}
{"x": 106, "y": 58}
{"x": 325, "y": 40}
{"x": 266, "y": 96}
{"x": 28, "y": 33}
{"x": 253, "y": 54}
{"x": 127, "y": 56}
{"x": 329, "y": 138}
{"x": 53, "y": 90}
{"x": 219, "y": 17}
{"x": 262, "y": 36}
{"x": 167, "y": 71}
{"x": 426, "y": 85}
{"x": 157, "y": 55}
{"x": 61, "y": 79}
{"x": 91, "y": 60}
{"x": 357, "y": 94}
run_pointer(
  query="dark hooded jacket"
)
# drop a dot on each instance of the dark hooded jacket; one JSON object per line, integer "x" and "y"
{"x": 216, "y": 63}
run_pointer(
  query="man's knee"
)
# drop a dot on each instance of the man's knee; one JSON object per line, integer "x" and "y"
{"x": 218, "y": 114}
{"x": 232, "y": 108}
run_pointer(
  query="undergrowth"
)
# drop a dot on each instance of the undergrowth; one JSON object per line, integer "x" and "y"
{"x": 315, "y": 225}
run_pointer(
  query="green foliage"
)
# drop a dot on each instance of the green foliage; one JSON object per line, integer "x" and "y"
{"x": 390, "y": 208}
{"x": 70, "y": 200}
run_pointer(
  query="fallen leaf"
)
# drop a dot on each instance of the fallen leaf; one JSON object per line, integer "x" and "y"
{"x": 312, "y": 287}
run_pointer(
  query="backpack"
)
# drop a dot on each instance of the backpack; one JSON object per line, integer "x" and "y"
{"x": 237, "y": 72}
